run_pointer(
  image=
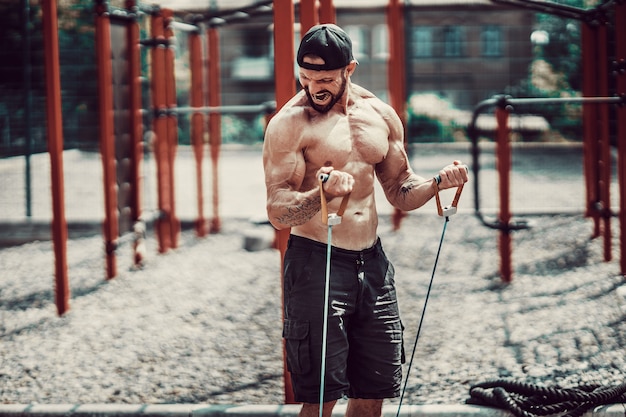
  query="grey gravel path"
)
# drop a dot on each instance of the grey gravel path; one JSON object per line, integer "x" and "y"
{"x": 202, "y": 322}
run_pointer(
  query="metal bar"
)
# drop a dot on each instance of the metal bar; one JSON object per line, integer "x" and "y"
{"x": 197, "y": 123}
{"x": 570, "y": 100}
{"x": 328, "y": 14}
{"x": 28, "y": 103}
{"x": 54, "y": 129}
{"x": 309, "y": 15}
{"x": 107, "y": 140}
{"x": 396, "y": 81}
{"x": 268, "y": 107}
{"x": 547, "y": 7}
{"x": 620, "y": 72}
{"x": 232, "y": 14}
{"x": 159, "y": 126}
{"x": 172, "y": 123}
{"x": 285, "y": 89}
{"x": 184, "y": 27}
{"x": 503, "y": 164}
{"x": 604, "y": 142}
{"x": 136, "y": 120}
{"x": 505, "y": 101}
{"x": 215, "y": 120}
{"x": 590, "y": 119}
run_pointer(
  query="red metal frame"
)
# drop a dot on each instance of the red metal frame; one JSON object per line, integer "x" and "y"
{"x": 215, "y": 120}
{"x": 136, "y": 125}
{"x": 596, "y": 132}
{"x": 107, "y": 140}
{"x": 327, "y": 12}
{"x": 309, "y": 15}
{"x": 159, "y": 126}
{"x": 589, "y": 40}
{"x": 620, "y": 59}
{"x": 604, "y": 143}
{"x": 285, "y": 89}
{"x": 172, "y": 122}
{"x": 55, "y": 148}
{"x": 503, "y": 166}
{"x": 396, "y": 78}
{"x": 197, "y": 123}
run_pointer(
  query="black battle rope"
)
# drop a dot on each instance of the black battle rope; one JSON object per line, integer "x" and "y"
{"x": 529, "y": 400}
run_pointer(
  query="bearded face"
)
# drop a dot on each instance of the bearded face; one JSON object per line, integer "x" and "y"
{"x": 324, "y": 100}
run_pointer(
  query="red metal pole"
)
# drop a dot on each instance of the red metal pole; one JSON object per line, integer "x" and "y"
{"x": 107, "y": 140}
{"x": 197, "y": 123}
{"x": 215, "y": 120}
{"x": 503, "y": 162}
{"x": 309, "y": 15}
{"x": 620, "y": 60}
{"x": 396, "y": 74}
{"x": 604, "y": 140}
{"x": 136, "y": 125}
{"x": 55, "y": 148}
{"x": 590, "y": 117}
{"x": 136, "y": 132}
{"x": 328, "y": 13}
{"x": 285, "y": 89}
{"x": 172, "y": 121}
{"x": 159, "y": 126}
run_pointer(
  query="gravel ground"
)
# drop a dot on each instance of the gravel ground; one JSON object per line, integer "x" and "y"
{"x": 201, "y": 324}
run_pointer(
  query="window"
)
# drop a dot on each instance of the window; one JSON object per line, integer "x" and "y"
{"x": 423, "y": 42}
{"x": 453, "y": 42}
{"x": 491, "y": 41}
{"x": 380, "y": 42}
{"x": 357, "y": 36}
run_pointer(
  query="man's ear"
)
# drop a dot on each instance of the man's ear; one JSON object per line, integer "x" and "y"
{"x": 351, "y": 67}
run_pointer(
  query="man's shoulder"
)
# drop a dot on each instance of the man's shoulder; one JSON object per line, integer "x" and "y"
{"x": 372, "y": 101}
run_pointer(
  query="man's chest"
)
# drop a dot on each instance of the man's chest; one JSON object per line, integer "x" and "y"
{"x": 340, "y": 139}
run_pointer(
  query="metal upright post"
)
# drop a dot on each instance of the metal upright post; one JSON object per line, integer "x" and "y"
{"x": 197, "y": 123}
{"x": 55, "y": 148}
{"x": 620, "y": 72}
{"x": 172, "y": 121}
{"x": 503, "y": 162}
{"x": 590, "y": 117}
{"x": 107, "y": 139}
{"x": 136, "y": 119}
{"x": 396, "y": 81}
{"x": 285, "y": 88}
{"x": 604, "y": 143}
{"x": 328, "y": 13}
{"x": 215, "y": 120}
{"x": 159, "y": 104}
{"x": 309, "y": 15}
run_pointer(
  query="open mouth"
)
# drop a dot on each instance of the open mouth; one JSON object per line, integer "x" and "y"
{"x": 321, "y": 96}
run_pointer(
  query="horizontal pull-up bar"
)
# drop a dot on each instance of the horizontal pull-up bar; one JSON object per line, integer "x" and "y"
{"x": 267, "y": 107}
{"x": 507, "y": 102}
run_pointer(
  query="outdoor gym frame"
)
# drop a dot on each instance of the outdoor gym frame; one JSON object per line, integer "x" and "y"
{"x": 596, "y": 132}
{"x": 164, "y": 110}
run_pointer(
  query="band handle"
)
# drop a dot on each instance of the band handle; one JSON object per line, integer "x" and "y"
{"x": 451, "y": 209}
{"x": 342, "y": 207}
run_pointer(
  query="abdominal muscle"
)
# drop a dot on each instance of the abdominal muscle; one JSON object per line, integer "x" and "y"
{"x": 357, "y": 230}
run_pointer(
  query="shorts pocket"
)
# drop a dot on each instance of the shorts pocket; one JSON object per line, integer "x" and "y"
{"x": 296, "y": 334}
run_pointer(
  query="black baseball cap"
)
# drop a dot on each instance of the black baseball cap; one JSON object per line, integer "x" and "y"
{"x": 329, "y": 42}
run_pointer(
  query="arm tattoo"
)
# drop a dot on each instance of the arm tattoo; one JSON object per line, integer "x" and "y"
{"x": 301, "y": 213}
{"x": 407, "y": 187}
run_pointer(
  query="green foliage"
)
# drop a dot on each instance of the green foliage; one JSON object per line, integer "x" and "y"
{"x": 78, "y": 74}
{"x": 239, "y": 130}
{"x": 421, "y": 128}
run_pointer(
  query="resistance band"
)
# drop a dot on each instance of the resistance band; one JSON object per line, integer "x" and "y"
{"x": 444, "y": 212}
{"x": 329, "y": 220}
